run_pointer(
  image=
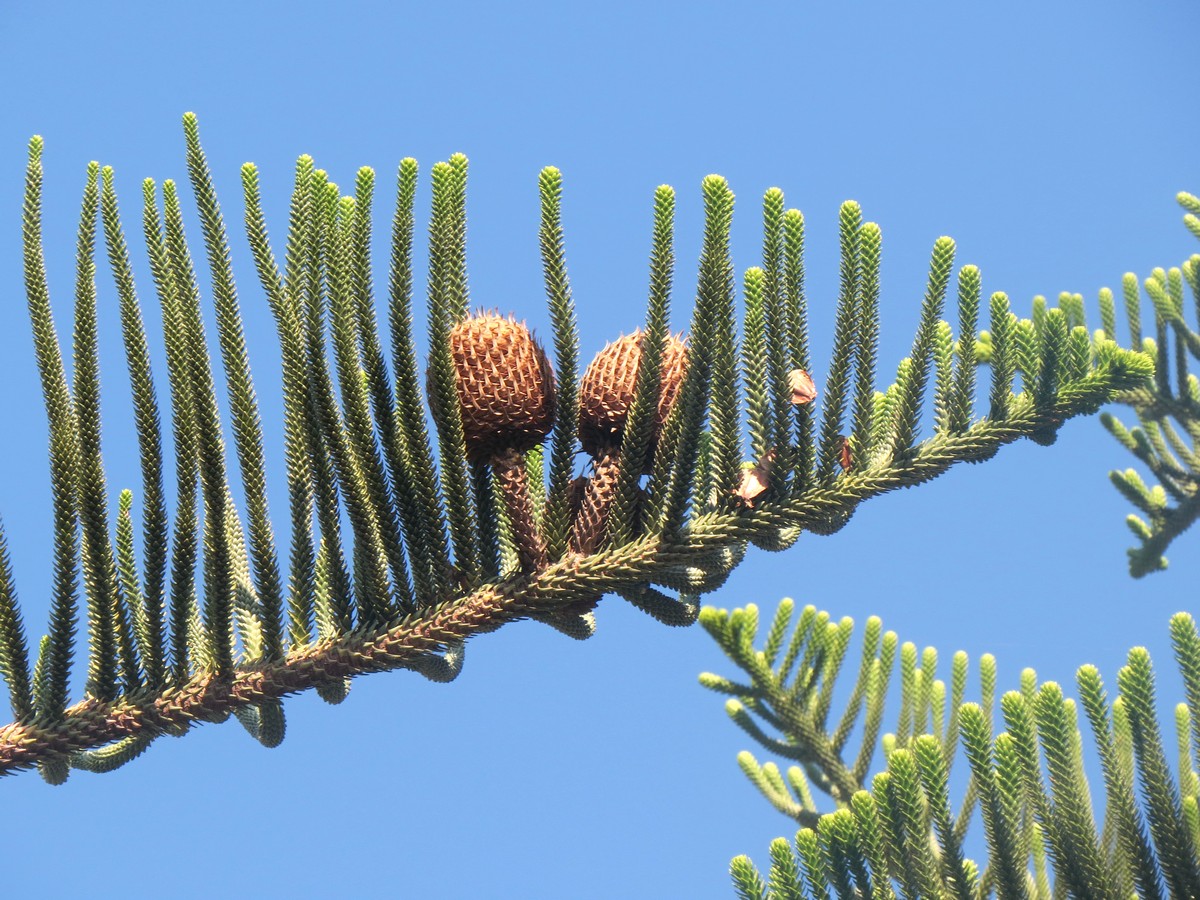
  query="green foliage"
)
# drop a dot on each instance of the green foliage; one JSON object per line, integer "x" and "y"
{"x": 447, "y": 304}
{"x": 204, "y": 625}
{"x": 14, "y": 657}
{"x": 1167, "y": 439}
{"x": 55, "y": 650}
{"x": 1055, "y": 344}
{"x": 566, "y": 357}
{"x": 1027, "y": 785}
{"x": 146, "y": 600}
{"x": 636, "y": 445}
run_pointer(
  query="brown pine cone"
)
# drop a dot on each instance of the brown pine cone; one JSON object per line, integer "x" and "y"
{"x": 505, "y": 385}
{"x": 606, "y": 392}
{"x": 507, "y": 398}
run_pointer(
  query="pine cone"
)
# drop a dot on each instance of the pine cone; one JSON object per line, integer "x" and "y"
{"x": 605, "y": 399}
{"x": 606, "y": 393}
{"x": 505, "y": 386}
{"x": 507, "y": 399}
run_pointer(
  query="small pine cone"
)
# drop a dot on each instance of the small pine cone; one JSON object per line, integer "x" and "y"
{"x": 505, "y": 386}
{"x": 507, "y": 399}
{"x": 606, "y": 392}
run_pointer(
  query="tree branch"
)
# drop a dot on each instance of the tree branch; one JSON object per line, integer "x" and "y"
{"x": 212, "y": 697}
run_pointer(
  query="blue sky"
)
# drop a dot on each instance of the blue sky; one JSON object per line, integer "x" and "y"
{"x": 1048, "y": 139}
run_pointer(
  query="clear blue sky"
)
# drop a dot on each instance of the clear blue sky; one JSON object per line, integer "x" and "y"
{"x": 1048, "y": 139}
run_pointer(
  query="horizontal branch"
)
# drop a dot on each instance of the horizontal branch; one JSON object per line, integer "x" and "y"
{"x": 210, "y": 697}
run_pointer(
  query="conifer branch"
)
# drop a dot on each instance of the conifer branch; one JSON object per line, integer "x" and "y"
{"x": 145, "y": 600}
{"x": 433, "y": 557}
{"x": 1034, "y": 827}
{"x": 216, "y": 621}
{"x": 111, "y": 649}
{"x": 444, "y": 310}
{"x": 425, "y": 525}
{"x": 247, "y": 428}
{"x": 284, "y": 299}
{"x": 56, "y": 649}
{"x": 396, "y": 484}
{"x": 14, "y": 657}
{"x": 638, "y": 444}
{"x": 557, "y": 523}
{"x": 796, "y": 305}
{"x": 1166, "y": 441}
{"x": 183, "y": 421}
{"x": 1055, "y": 344}
{"x": 866, "y": 346}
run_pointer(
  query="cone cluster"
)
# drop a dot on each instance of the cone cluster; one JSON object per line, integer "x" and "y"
{"x": 506, "y": 394}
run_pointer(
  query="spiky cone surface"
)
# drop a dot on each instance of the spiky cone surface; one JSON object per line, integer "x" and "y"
{"x": 591, "y": 513}
{"x": 505, "y": 385}
{"x": 506, "y": 393}
{"x": 576, "y": 621}
{"x": 591, "y": 516}
{"x": 606, "y": 392}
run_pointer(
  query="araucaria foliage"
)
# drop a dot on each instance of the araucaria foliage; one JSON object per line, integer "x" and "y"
{"x": 897, "y": 832}
{"x": 405, "y": 541}
{"x": 1168, "y": 440}
{"x": 894, "y": 831}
